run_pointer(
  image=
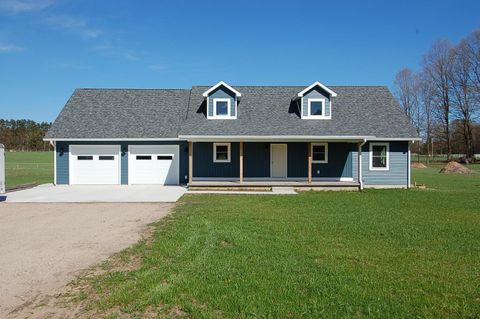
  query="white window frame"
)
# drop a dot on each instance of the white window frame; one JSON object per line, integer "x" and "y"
{"x": 229, "y": 152}
{"x": 229, "y": 104}
{"x": 387, "y": 167}
{"x": 326, "y": 153}
{"x": 315, "y": 117}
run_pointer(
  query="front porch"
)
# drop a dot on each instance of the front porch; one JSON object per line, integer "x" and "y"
{"x": 267, "y": 184}
{"x": 263, "y": 165}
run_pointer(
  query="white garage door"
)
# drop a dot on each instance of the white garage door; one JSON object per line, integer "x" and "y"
{"x": 153, "y": 164}
{"x": 94, "y": 164}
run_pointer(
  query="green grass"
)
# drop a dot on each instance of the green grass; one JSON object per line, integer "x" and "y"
{"x": 380, "y": 253}
{"x": 28, "y": 168}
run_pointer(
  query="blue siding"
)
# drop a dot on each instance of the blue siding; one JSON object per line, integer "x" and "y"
{"x": 316, "y": 93}
{"x": 398, "y": 166}
{"x": 222, "y": 93}
{"x": 62, "y": 152}
{"x": 256, "y": 159}
{"x": 203, "y": 165}
{"x": 339, "y": 161}
{"x": 62, "y": 160}
{"x": 297, "y": 160}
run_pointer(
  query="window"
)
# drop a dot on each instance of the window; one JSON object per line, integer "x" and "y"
{"x": 316, "y": 108}
{"x": 379, "y": 156}
{"x": 320, "y": 153}
{"x": 164, "y": 157}
{"x": 221, "y": 107}
{"x": 106, "y": 158}
{"x": 221, "y": 152}
{"x": 144, "y": 157}
{"x": 84, "y": 158}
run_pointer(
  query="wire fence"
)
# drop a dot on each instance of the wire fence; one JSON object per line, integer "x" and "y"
{"x": 27, "y": 166}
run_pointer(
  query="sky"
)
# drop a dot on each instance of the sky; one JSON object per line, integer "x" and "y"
{"x": 50, "y": 47}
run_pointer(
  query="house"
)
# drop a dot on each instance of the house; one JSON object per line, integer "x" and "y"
{"x": 243, "y": 135}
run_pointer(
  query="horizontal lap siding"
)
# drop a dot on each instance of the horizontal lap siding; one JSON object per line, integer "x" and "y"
{"x": 398, "y": 166}
{"x": 203, "y": 165}
{"x": 63, "y": 168}
{"x": 61, "y": 153}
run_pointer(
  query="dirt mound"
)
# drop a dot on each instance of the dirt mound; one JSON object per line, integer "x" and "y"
{"x": 418, "y": 165}
{"x": 456, "y": 168}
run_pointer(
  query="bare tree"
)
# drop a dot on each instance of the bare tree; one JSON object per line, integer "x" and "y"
{"x": 405, "y": 88}
{"x": 464, "y": 95}
{"x": 473, "y": 45}
{"x": 437, "y": 65}
{"x": 427, "y": 104}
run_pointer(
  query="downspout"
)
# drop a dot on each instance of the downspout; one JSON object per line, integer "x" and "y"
{"x": 360, "y": 178}
{"x": 409, "y": 168}
{"x": 54, "y": 144}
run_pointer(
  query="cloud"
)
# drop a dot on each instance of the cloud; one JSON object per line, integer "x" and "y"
{"x": 9, "y": 48}
{"x": 74, "y": 24}
{"x": 20, "y": 6}
{"x": 110, "y": 50}
{"x": 158, "y": 67}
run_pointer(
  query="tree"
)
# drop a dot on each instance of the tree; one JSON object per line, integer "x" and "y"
{"x": 437, "y": 67}
{"x": 464, "y": 95}
{"x": 426, "y": 104}
{"x": 405, "y": 91}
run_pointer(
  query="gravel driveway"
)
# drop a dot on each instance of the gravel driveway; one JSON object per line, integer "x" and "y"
{"x": 43, "y": 246}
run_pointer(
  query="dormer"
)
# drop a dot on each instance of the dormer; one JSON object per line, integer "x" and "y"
{"x": 222, "y": 101}
{"x": 316, "y": 102}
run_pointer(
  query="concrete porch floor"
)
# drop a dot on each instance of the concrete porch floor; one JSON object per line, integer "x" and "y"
{"x": 271, "y": 183}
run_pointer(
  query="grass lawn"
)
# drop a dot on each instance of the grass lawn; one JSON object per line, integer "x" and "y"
{"x": 28, "y": 168}
{"x": 380, "y": 253}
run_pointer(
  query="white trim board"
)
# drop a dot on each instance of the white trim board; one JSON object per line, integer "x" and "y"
{"x": 172, "y": 139}
{"x": 221, "y": 83}
{"x": 229, "y": 152}
{"x": 371, "y": 145}
{"x": 302, "y": 93}
{"x": 325, "y": 161}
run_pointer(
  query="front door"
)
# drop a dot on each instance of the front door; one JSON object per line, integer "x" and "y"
{"x": 278, "y": 161}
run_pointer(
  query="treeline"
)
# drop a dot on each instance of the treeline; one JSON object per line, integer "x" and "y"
{"x": 442, "y": 99}
{"x": 24, "y": 135}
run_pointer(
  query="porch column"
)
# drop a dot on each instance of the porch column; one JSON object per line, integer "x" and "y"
{"x": 241, "y": 162}
{"x": 190, "y": 161}
{"x": 309, "y": 163}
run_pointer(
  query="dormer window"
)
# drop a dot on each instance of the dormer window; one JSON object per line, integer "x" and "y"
{"x": 221, "y": 101}
{"x": 315, "y": 102}
{"x": 316, "y": 107}
{"x": 221, "y": 107}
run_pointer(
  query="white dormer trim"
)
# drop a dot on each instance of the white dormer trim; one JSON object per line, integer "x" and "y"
{"x": 221, "y": 83}
{"x": 302, "y": 93}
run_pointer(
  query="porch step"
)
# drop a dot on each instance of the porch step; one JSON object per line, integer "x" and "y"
{"x": 284, "y": 190}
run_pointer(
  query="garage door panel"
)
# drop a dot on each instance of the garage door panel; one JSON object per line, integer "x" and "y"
{"x": 153, "y": 164}
{"x": 94, "y": 164}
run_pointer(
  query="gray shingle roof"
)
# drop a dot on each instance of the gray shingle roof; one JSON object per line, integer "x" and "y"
{"x": 262, "y": 111}
{"x": 121, "y": 113}
{"x": 268, "y": 110}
